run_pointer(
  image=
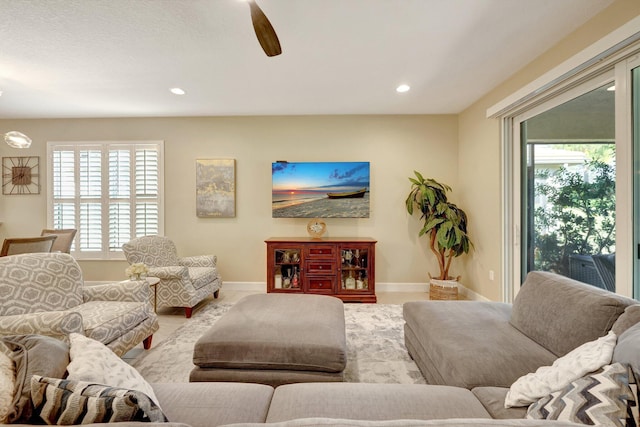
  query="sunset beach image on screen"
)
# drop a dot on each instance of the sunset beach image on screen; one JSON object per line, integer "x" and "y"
{"x": 320, "y": 189}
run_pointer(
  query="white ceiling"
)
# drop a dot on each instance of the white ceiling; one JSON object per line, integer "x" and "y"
{"x": 116, "y": 58}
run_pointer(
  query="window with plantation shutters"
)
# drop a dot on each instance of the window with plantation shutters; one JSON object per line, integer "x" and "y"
{"x": 110, "y": 192}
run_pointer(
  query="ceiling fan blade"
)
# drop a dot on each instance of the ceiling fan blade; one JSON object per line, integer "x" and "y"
{"x": 264, "y": 31}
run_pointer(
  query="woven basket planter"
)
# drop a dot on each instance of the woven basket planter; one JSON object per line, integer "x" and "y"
{"x": 443, "y": 289}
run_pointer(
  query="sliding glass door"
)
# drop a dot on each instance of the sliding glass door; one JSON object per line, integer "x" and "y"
{"x": 568, "y": 187}
{"x": 571, "y": 158}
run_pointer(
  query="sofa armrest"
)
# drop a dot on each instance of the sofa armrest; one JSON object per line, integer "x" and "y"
{"x": 127, "y": 291}
{"x": 56, "y": 324}
{"x": 168, "y": 273}
{"x": 547, "y": 303}
{"x": 199, "y": 261}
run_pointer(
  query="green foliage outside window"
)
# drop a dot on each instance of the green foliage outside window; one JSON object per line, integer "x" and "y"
{"x": 578, "y": 216}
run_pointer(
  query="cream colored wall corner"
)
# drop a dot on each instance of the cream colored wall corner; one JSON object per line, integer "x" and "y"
{"x": 480, "y": 183}
{"x": 480, "y": 151}
{"x": 395, "y": 146}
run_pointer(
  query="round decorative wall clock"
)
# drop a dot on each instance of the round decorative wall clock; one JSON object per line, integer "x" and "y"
{"x": 21, "y": 175}
{"x": 316, "y": 228}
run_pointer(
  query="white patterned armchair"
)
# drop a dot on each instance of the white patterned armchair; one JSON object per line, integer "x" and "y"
{"x": 184, "y": 282}
{"x": 44, "y": 293}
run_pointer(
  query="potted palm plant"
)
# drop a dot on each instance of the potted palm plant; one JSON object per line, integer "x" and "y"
{"x": 445, "y": 225}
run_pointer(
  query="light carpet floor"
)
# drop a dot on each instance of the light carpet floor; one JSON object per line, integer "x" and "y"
{"x": 375, "y": 346}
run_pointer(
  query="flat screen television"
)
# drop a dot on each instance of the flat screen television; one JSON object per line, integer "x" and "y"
{"x": 320, "y": 189}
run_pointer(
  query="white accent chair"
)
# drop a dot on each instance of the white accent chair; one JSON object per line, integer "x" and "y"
{"x": 184, "y": 282}
{"x": 44, "y": 293}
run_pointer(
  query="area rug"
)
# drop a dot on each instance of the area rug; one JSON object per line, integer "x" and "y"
{"x": 375, "y": 346}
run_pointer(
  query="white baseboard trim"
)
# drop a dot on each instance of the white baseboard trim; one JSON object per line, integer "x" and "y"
{"x": 244, "y": 286}
{"x": 472, "y": 296}
{"x": 402, "y": 287}
{"x": 381, "y": 287}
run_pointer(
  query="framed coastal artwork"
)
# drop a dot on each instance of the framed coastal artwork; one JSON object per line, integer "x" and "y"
{"x": 320, "y": 189}
{"x": 216, "y": 188}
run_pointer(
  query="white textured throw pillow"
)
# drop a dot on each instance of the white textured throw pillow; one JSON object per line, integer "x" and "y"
{"x": 92, "y": 361}
{"x": 587, "y": 358}
{"x": 7, "y": 384}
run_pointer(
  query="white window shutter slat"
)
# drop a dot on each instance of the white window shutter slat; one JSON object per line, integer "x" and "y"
{"x": 108, "y": 191}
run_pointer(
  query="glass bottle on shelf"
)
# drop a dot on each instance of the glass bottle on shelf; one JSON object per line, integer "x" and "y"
{"x": 294, "y": 279}
{"x": 286, "y": 276}
{"x": 278, "y": 281}
{"x": 348, "y": 256}
{"x": 350, "y": 282}
{"x": 360, "y": 282}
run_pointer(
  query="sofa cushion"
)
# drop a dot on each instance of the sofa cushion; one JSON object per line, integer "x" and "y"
{"x": 202, "y": 276}
{"x": 469, "y": 343}
{"x": 628, "y": 348}
{"x": 560, "y": 313}
{"x": 92, "y": 361}
{"x": 32, "y": 355}
{"x": 600, "y": 398}
{"x": 212, "y": 404}
{"x": 630, "y": 317}
{"x": 589, "y": 357}
{"x": 492, "y": 398}
{"x": 106, "y": 321}
{"x": 64, "y": 402}
{"x": 373, "y": 402}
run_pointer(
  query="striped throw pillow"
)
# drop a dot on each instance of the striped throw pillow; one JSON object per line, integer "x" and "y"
{"x": 600, "y": 398}
{"x": 66, "y": 402}
{"x": 633, "y": 415}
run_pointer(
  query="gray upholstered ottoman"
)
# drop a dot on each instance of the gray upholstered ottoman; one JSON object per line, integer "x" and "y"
{"x": 275, "y": 339}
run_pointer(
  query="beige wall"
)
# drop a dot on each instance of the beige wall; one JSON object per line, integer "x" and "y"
{"x": 480, "y": 152}
{"x": 395, "y": 146}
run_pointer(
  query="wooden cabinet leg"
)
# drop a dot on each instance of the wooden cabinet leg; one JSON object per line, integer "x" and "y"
{"x": 188, "y": 311}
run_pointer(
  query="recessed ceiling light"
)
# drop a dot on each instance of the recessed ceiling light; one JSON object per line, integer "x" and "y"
{"x": 403, "y": 88}
{"x": 177, "y": 91}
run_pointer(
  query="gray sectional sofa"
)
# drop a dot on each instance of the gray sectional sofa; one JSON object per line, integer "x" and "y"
{"x": 476, "y": 343}
{"x": 469, "y": 352}
{"x": 309, "y": 404}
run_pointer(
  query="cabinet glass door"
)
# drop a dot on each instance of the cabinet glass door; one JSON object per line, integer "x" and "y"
{"x": 354, "y": 268}
{"x": 287, "y": 269}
